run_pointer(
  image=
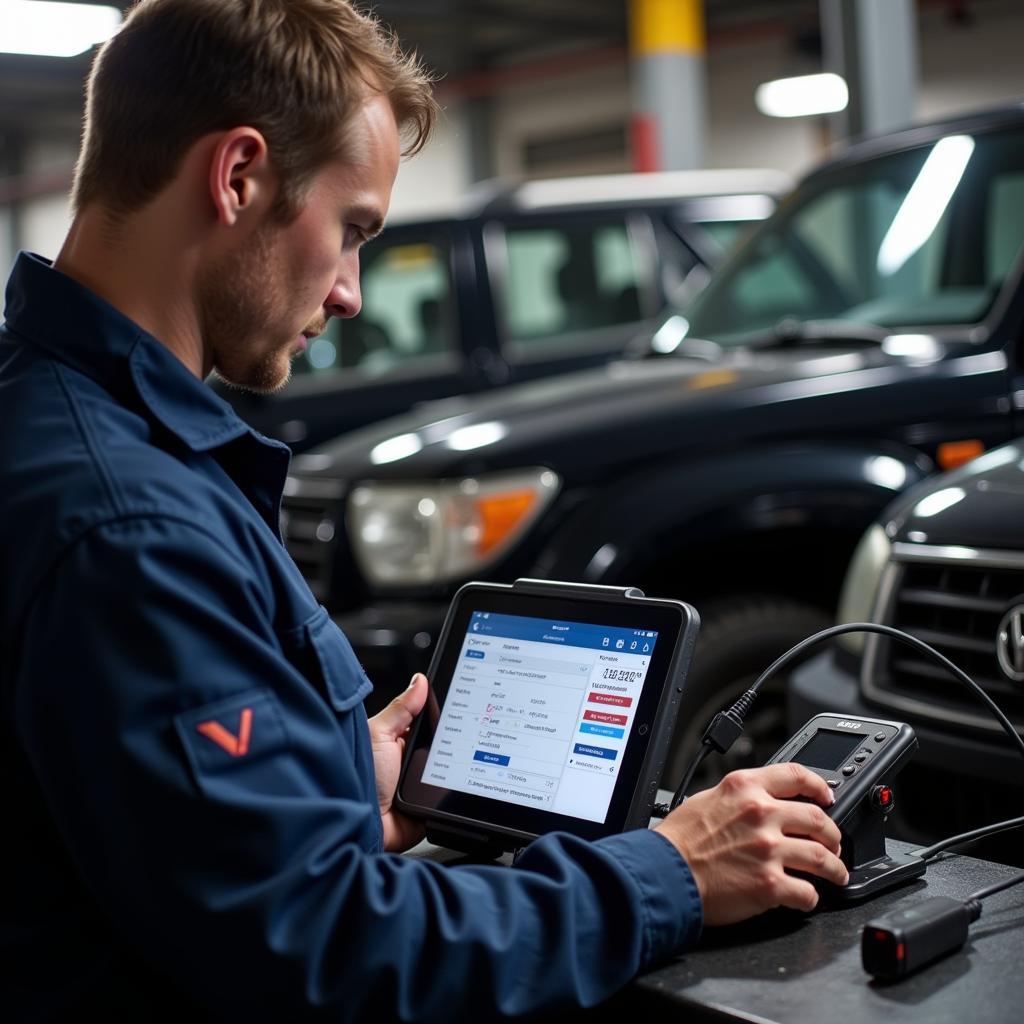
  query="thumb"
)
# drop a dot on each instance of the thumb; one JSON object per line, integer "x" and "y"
{"x": 397, "y": 716}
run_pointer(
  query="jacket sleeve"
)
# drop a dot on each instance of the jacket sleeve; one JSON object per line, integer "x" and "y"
{"x": 217, "y": 807}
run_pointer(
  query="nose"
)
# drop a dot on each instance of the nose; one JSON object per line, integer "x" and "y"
{"x": 344, "y": 299}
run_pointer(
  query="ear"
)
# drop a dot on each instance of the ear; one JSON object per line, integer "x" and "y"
{"x": 241, "y": 177}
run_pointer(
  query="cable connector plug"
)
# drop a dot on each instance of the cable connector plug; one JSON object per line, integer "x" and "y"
{"x": 727, "y": 726}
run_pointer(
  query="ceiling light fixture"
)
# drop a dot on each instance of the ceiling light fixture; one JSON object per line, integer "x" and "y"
{"x": 45, "y": 29}
{"x": 802, "y": 96}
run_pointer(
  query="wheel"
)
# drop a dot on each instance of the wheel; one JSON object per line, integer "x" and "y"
{"x": 739, "y": 638}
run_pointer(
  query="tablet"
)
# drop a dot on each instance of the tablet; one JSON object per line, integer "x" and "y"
{"x": 552, "y": 707}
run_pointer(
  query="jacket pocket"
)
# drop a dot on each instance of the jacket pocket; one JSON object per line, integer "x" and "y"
{"x": 344, "y": 681}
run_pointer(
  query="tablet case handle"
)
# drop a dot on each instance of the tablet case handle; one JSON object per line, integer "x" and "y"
{"x": 478, "y": 845}
{"x": 529, "y": 586}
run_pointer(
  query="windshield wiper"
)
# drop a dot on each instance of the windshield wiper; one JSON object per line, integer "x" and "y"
{"x": 791, "y": 332}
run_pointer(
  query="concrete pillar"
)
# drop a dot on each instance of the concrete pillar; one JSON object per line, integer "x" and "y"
{"x": 478, "y": 117}
{"x": 669, "y": 126}
{"x": 873, "y": 45}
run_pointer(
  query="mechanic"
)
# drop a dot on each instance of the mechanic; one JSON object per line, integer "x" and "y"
{"x": 198, "y": 812}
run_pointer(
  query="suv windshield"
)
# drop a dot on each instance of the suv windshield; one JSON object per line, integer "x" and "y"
{"x": 926, "y": 236}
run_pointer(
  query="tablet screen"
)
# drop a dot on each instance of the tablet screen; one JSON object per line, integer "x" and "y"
{"x": 547, "y": 710}
{"x": 539, "y": 712}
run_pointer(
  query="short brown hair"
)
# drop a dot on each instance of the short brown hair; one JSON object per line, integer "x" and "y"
{"x": 296, "y": 70}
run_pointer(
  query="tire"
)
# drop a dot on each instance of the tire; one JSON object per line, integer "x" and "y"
{"x": 739, "y": 638}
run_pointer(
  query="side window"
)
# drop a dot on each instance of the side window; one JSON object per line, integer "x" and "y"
{"x": 408, "y": 311}
{"x": 728, "y": 233}
{"x": 566, "y": 279}
{"x": 1005, "y": 218}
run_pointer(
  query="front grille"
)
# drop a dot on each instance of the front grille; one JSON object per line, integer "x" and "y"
{"x": 954, "y": 600}
{"x": 310, "y": 513}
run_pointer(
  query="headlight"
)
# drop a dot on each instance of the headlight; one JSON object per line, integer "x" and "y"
{"x": 438, "y": 531}
{"x": 860, "y": 588}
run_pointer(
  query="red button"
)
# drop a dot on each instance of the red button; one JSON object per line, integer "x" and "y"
{"x": 883, "y": 798}
{"x": 605, "y": 716}
{"x": 609, "y": 698}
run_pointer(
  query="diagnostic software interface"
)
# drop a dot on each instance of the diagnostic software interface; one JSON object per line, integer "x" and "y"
{"x": 539, "y": 712}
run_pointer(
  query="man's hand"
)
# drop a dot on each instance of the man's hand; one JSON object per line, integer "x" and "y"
{"x": 740, "y": 837}
{"x": 388, "y": 730}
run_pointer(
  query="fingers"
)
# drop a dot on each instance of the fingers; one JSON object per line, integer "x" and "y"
{"x": 811, "y": 822}
{"x": 779, "y": 888}
{"x": 795, "y": 893}
{"x": 397, "y": 716}
{"x": 789, "y": 780}
{"x": 795, "y": 817}
{"x": 813, "y": 859}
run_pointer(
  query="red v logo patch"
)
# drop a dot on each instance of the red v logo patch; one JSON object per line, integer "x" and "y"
{"x": 236, "y": 746}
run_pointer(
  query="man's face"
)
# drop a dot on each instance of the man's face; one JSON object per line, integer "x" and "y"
{"x": 261, "y": 302}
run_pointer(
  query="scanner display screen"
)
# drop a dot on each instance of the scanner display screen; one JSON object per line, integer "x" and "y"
{"x": 540, "y": 712}
{"x": 829, "y": 749}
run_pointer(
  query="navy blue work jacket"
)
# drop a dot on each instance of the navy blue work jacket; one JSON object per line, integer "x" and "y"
{"x": 187, "y": 782}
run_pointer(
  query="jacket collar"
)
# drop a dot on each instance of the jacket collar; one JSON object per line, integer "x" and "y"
{"x": 77, "y": 327}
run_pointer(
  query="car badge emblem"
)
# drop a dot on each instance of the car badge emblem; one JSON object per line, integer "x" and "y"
{"x": 1010, "y": 643}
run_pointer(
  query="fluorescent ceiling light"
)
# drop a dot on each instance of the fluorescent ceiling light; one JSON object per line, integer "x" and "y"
{"x": 802, "y": 96}
{"x": 925, "y": 203}
{"x": 54, "y": 29}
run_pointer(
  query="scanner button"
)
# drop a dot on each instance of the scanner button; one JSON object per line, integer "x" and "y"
{"x": 879, "y": 736}
{"x": 834, "y": 783}
{"x": 849, "y": 770}
{"x": 860, "y": 758}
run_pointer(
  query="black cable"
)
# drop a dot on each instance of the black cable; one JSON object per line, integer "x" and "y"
{"x": 905, "y": 638}
{"x": 727, "y": 726}
{"x": 680, "y": 793}
{"x": 968, "y": 837}
{"x": 991, "y": 890}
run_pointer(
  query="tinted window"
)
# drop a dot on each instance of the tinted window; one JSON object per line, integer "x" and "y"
{"x": 727, "y": 233}
{"x": 408, "y": 311}
{"x": 561, "y": 280}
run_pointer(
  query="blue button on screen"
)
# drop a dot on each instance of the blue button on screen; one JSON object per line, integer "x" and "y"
{"x": 589, "y": 751}
{"x": 488, "y": 758}
{"x": 602, "y": 730}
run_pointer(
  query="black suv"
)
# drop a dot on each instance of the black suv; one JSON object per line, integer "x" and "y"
{"x": 866, "y": 334}
{"x": 519, "y": 283}
{"x": 945, "y": 563}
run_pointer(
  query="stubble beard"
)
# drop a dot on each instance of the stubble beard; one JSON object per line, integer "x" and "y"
{"x": 237, "y": 301}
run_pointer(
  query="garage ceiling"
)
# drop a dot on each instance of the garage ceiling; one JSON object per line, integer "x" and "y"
{"x": 42, "y": 96}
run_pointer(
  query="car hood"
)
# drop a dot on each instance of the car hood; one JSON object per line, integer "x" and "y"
{"x": 633, "y": 410}
{"x": 978, "y": 505}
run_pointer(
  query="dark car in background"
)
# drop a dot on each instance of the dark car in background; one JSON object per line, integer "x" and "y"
{"x": 867, "y": 334}
{"x": 519, "y": 283}
{"x": 944, "y": 563}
